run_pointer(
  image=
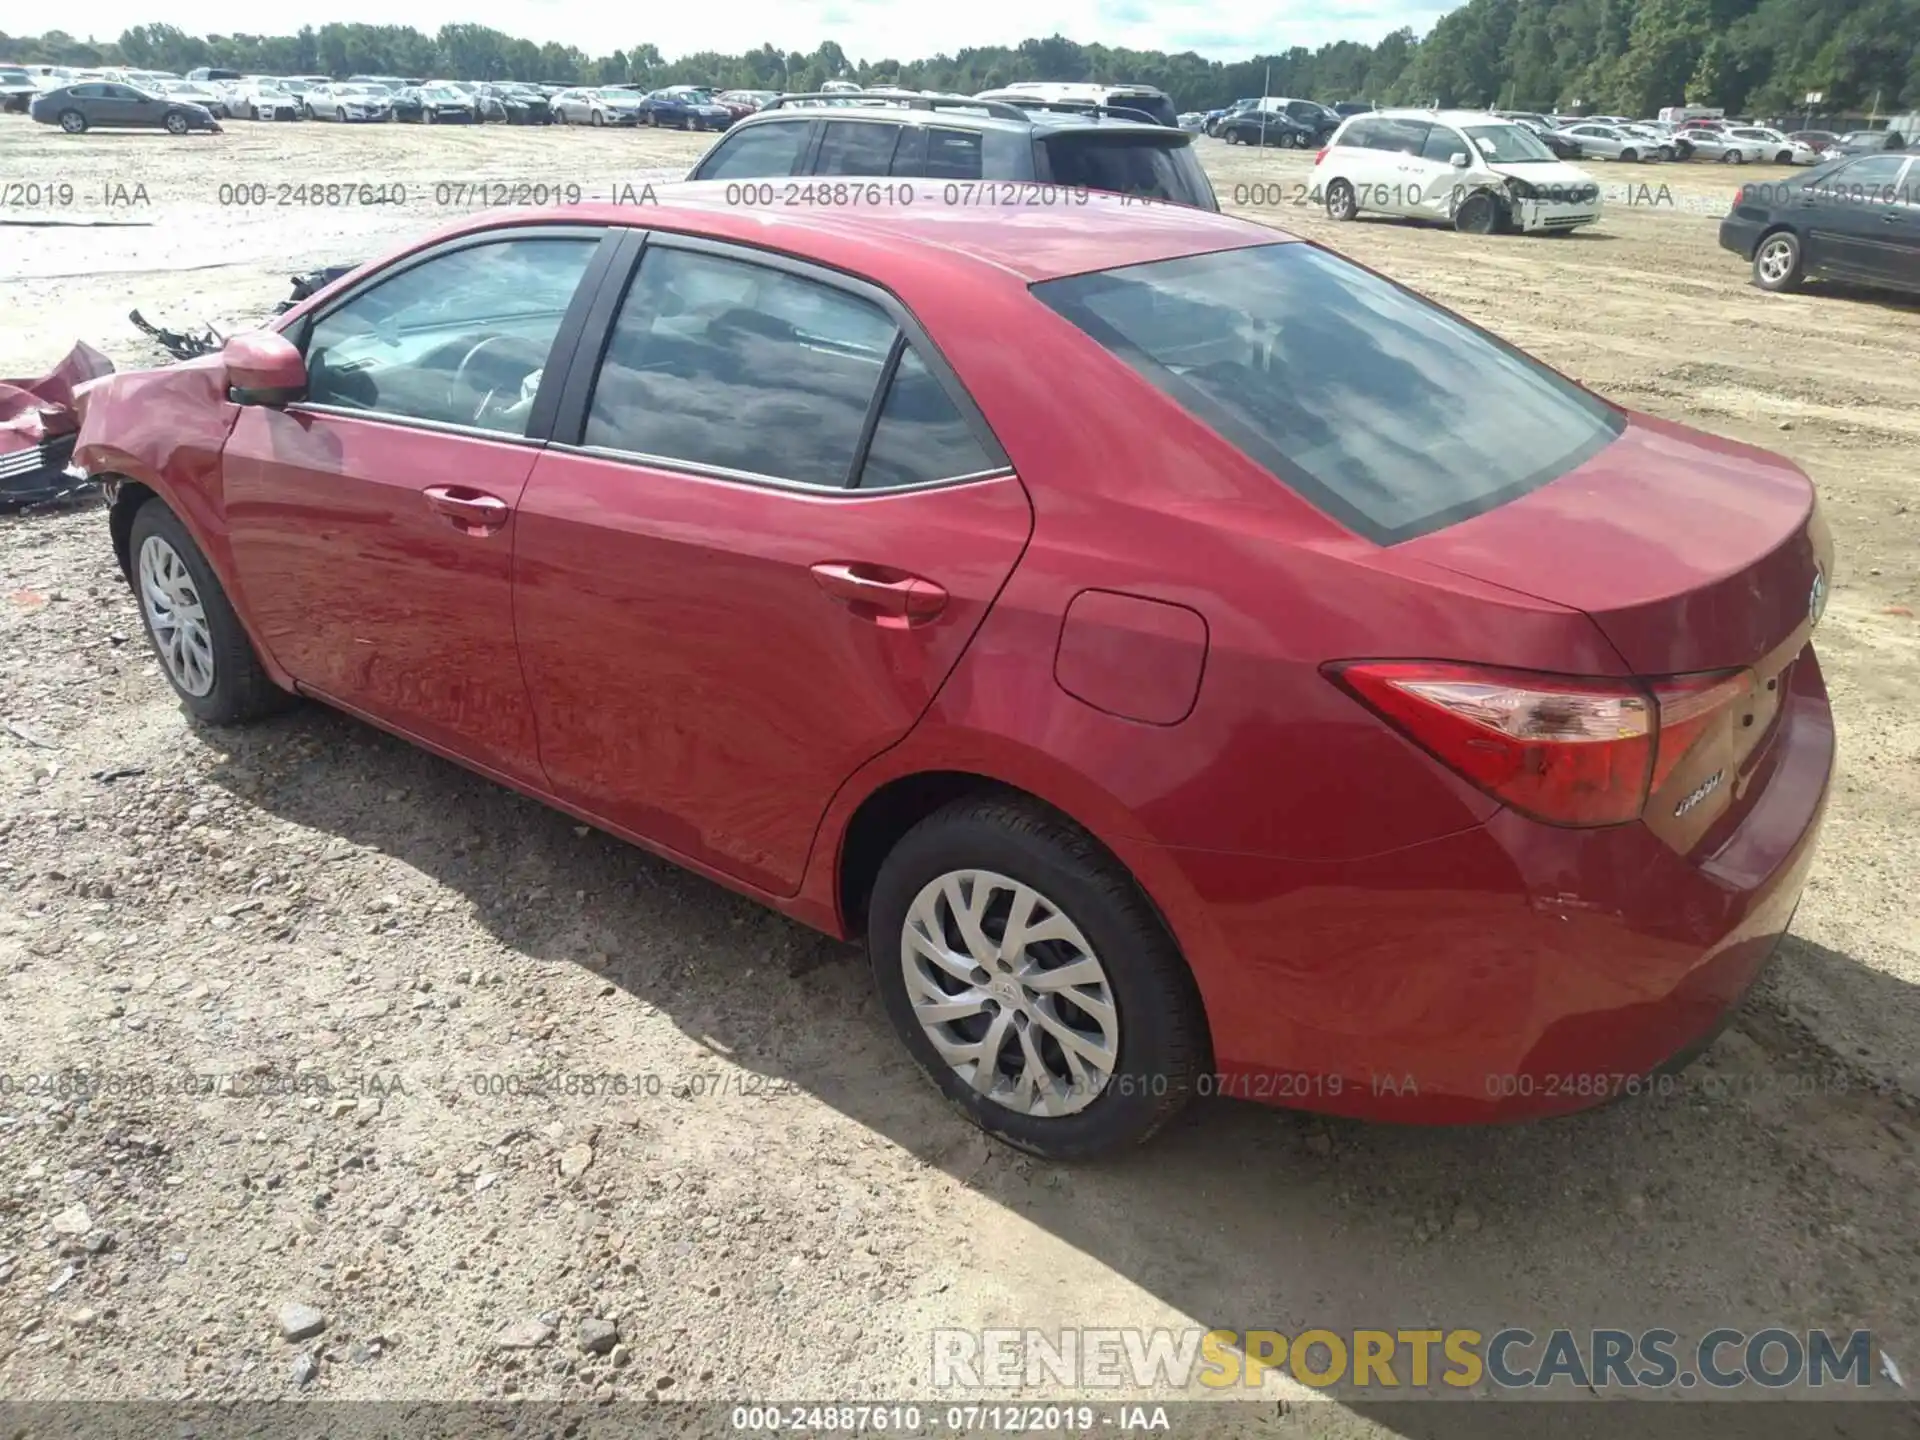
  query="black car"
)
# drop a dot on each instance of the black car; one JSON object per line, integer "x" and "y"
{"x": 433, "y": 105}
{"x": 1856, "y": 218}
{"x": 17, "y": 90}
{"x": 1294, "y": 124}
{"x": 1564, "y": 147}
{"x": 956, "y": 140}
{"x": 1268, "y": 127}
{"x": 512, "y": 104}
{"x": 1344, "y": 108}
{"x": 111, "y": 105}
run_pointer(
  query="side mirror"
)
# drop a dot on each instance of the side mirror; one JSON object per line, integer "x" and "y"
{"x": 263, "y": 368}
{"x": 1458, "y": 160}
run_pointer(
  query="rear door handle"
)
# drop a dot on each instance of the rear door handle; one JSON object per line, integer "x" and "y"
{"x": 890, "y": 597}
{"x": 472, "y": 511}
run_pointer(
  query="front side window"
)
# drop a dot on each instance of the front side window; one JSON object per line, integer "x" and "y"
{"x": 757, "y": 151}
{"x": 1382, "y": 410}
{"x": 853, "y": 147}
{"x": 1506, "y": 144}
{"x": 1442, "y": 145}
{"x": 722, "y": 363}
{"x": 461, "y": 339}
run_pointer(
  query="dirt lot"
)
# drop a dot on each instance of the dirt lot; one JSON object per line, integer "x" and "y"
{"x": 782, "y": 1208}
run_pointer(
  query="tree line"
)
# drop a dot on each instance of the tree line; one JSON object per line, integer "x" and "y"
{"x": 1606, "y": 56}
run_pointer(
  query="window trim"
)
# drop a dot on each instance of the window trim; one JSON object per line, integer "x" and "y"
{"x": 566, "y": 339}
{"x": 568, "y": 431}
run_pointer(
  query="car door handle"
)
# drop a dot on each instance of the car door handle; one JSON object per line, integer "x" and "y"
{"x": 470, "y": 510}
{"x": 881, "y": 593}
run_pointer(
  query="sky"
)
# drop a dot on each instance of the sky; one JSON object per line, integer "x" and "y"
{"x": 865, "y": 29}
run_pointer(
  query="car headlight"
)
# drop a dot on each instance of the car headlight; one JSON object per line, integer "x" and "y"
{"x": 1522, "y": 190}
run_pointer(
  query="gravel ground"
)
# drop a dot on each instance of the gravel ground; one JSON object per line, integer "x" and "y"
{"x": 309, "y": 969}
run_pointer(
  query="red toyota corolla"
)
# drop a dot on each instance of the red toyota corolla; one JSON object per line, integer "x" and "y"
{"x": 1193, "y": 662}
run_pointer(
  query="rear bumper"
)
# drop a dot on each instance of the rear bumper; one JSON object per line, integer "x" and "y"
{"x": 1740, "y": 235}
{"x": 1509, "y": 971}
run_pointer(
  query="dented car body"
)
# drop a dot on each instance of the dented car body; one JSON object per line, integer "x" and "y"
{"x": 39, "y": 424}
{"x": 1089, "y": 679}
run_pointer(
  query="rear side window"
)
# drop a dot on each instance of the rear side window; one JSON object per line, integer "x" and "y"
{"x": 1131, "y": 164}
{"x": 1385, "y": 412}
{"x": 755, "y": 152}
{"x": 856, "y": 147}
{"x": 1364, "y": 135}
{"x": 921, "y": 435}
{"x": 724, "y": 363}
{"x": 953, "y": 154}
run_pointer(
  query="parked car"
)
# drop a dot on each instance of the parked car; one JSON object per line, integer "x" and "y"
{"x": 104, "y": 104}
{"x": 1478, "y": 172}
{"x": 1345, "y": 108}
{"x": 1017, "y": 731}
{"x": 1853, "y": 218}
{"x": 1775, "y": 147}
{"x": 963, "y": 140}
{"x": 607, "y": 105}
{"x": 1661, "y": 142}
{"x": 744, "y": 102}
{"x": 1609, "y": 142}
{"x": 1145, "y": 99}
{"x": 1258, "y": 125}
{"x": 261, "y": 97}
{"x": 1564, "y": 147}
{"x": 1819, "y": 141}
{"x": 1725, "y": 146}
{"x": 1216, "y": 118}
{"x": 17, "y": 90}
{"x": 213, "y": 74}
{"x": 192, "y": 92}
{"x": 1316, "y": 120}
{"x": 512, "y": 104}
{"x": 684, "y": 107}
{"x": 1870, "y": 142}
{"x": 433, "y": 105}
{"x": 347, "y": 102}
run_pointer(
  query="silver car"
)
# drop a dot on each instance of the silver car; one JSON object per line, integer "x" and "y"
{"x": 347, "y": 103}
{"x": 1609, "y": 142}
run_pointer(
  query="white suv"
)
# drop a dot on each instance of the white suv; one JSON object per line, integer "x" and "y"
{"x": 1474, "y": 170}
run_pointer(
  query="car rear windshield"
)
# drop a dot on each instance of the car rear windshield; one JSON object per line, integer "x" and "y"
{"x": 1153, "y": 166}
{"x": 1381, "y": 409}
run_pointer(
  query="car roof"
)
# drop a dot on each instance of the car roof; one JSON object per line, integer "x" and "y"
{"x": 957, "y": 116}
{"x": 1445, "y": 117}
{"x": 1021, "y": 244}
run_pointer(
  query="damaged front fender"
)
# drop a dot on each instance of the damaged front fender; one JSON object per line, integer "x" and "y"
{"x": 38, "y": 421}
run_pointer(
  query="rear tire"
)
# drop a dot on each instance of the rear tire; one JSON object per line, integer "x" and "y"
{"x": 1779, "y": 264}
{"x": 1342, "y": 202}
{"x": 240, "y": 689}
{"x": 1137, "y": 1007}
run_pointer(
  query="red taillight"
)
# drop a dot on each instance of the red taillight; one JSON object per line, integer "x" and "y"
{"x": 1688, "y": 705}
{"x": 1321, "y": 156}
{"x": 1565, "y": 750}
{"x": 1569, "y": 750}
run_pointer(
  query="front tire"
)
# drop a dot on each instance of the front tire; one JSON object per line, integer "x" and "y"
{"x": 1342, "y": 203}
{"x": 177, "y": 124}
{"x": 202, "y": 648}
{"x": 1032, "y": 982}
{"x": 73, "y": 122}
{"x": 1479, "y": 215}
{"x": 1630, "y": 156}
{"x": 1779, "y": 264}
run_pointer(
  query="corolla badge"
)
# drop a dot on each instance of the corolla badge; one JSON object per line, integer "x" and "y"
{"x": 1817, "y": 596}
{"x": 1700, "y": 792}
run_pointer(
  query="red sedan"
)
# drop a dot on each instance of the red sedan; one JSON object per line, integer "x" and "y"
{"x": 1194, "y": 663}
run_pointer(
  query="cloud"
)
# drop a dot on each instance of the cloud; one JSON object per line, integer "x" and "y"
{"x": 865, "y": 29}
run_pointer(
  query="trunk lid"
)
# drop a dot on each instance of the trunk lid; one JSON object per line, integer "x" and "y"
{"x": 1694, "y": 556}
{"x": 1690, "y": 552}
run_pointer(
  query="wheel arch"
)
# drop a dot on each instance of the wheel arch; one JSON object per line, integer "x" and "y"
{"x": 893, "y": 807}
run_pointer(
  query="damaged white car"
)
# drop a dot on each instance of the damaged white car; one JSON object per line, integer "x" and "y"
{"x": 1476, "y": 171}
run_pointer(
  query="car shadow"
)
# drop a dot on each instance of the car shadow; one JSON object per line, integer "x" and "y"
{"x": 1863, "y": 295}
{"x": 1699, "y": 1207}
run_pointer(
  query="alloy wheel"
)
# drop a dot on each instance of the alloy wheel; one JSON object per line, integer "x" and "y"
{"x": 1010, "y": 993}
{"x": 176, "y": 617}
{"x": 1775, "y": 260}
